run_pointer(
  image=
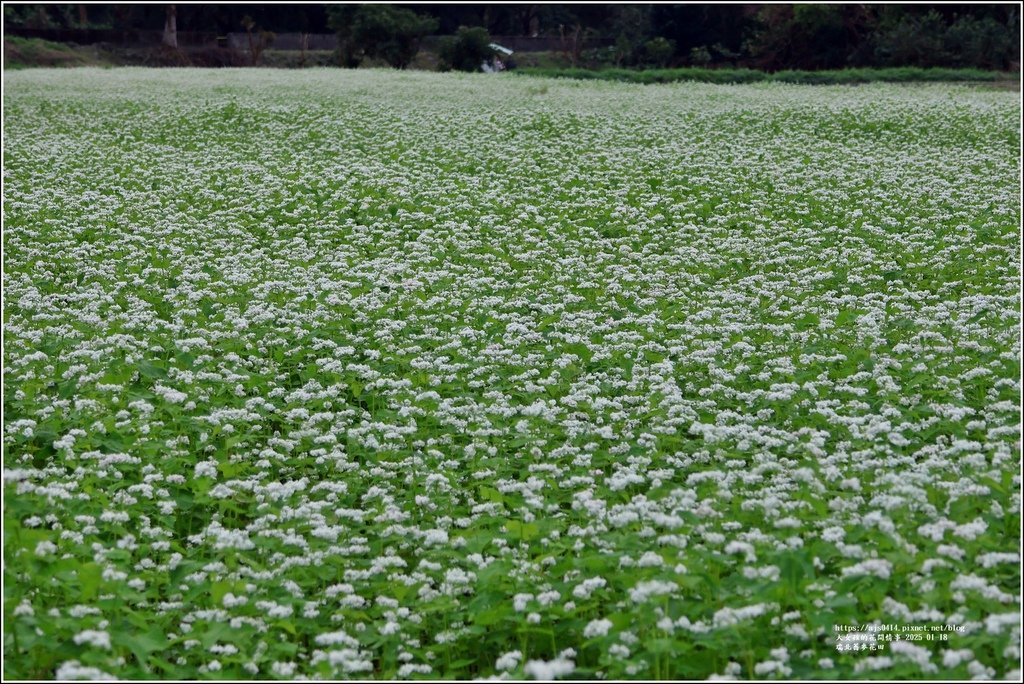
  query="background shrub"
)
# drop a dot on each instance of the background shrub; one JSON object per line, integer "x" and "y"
{"x": 466, "y": 50}
{"x": 659, "y": 50}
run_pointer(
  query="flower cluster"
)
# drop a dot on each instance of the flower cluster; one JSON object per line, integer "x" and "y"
{"x": 368, "y": 374}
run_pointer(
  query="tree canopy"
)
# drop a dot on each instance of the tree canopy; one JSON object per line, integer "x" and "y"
{"x": 772, "y": 37}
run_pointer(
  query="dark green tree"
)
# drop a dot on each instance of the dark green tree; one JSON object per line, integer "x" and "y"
{"x": 981, "y": 42}
{"x": 659, "y": 50}
{"x": 630, "y": 26}
{"x": 911, "y": 40}
{"x": 466, "y": 50}
{"x": 719, "y": 29}
{"x": 341, "y": 19}
{"x": 807, "y": 36}
{"x": 379, "y": 31}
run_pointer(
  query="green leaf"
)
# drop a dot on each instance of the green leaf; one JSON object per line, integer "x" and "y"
{"x": 89, "y": 577}
{"x": 848, "y": 316}
{"x": 492, "y": 495}
{"x": 660, "y": 646}
{"x": 214, "y": 633}
{"x": 151, "y": 370}
{"x": 142, "y": 644}
{"x": 491, "y": 616}
{"x": 520, "y": 530}
{"x": 219, "y": 590}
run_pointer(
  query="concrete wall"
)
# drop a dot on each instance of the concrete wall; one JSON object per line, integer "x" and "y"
{"x": 282, "y": 41}
{"x": 288, "y": 41}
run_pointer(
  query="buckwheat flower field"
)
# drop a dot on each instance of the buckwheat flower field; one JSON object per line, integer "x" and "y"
{"x": 367, "y": 374}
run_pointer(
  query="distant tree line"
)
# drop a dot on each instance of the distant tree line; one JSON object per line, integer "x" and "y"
{"x": 770, "y": 37}
{"x": 282, "y": 18}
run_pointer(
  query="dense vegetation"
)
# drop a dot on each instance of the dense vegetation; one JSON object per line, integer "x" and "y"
{"x": 824, "y": 77}
{"x": 769, "y": 37}
{"x": 390, "y": 374}
{"x": 32, "y": 52}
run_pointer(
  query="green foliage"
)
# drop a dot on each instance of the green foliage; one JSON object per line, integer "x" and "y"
{"x": 833, "y": 77}
{"x": 913, "y": 40}
{"x": 341, "y": 18}
{"x": 700, "y": 56}
{"x": 770, "y": 37}
{"x": 981, "y": 43}
{"x": 927, "y": 41}
{"x": 21, "y": 53}
{"x": 466, "y": 50}
{"x": 292, "y": 417}
{"x": 43, "y": 16}
{"x": 832, "y": 36}
{"x": 382, "y": 32}
{"x": 802, "y": 36}
{"x": 659, "y": 50}
{"x": 631, "y": 25}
